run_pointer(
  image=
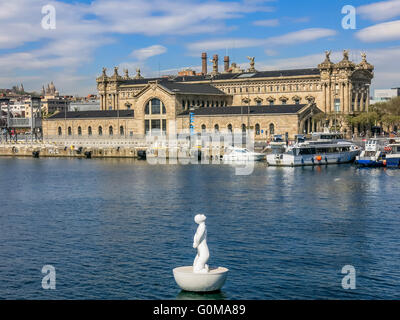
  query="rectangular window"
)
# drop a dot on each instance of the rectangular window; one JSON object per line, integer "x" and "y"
{"x": 155, "y": 124}
{"x": 337, "y": 105}
{"x": 164, "y": 125}
{"x": 155, "y": 106}
{"x": 146, "y": 126}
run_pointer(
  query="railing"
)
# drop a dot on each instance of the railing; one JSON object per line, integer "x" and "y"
{"x": 24, "y": 122}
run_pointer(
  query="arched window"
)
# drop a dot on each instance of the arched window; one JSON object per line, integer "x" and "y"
{"x": 154, "y": 106}
{"x": 121, "y": 130}
{"x": 79, "y": 131}
{"x": 89, "y": 131}
{"x": 229, "y": 127}
{"x": 257, "y": 129}
{"x": 110, "y": 130}
{"x": 59, "y": 131}
{"x": 271, "y": 129}
{"x": 216, "y": 128}
{"x": 69, "y": 131}
{"x": 100, "y": 131}
{"x": 243, "y": 128}
{"x": 203, "y": 127}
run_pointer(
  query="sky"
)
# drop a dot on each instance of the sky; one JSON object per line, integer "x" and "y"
{"x": 162, "y": 37}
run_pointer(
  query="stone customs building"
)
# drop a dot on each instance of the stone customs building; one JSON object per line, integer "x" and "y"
{"x": 269, "y": 102}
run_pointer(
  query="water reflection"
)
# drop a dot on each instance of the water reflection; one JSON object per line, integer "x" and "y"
{"x": 186, "y": 295}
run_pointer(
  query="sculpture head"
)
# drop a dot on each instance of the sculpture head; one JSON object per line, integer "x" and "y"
{"x": 200, "y": 218}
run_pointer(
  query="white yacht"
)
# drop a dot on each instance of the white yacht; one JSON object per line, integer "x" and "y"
{"x": 324, "y": 148}
{"x": 241, "y": 154}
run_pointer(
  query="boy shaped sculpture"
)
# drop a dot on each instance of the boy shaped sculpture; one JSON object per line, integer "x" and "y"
{"x": 200, "y": 243}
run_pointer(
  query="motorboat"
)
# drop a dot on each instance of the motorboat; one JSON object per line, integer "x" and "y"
{"x": 241, "y": 154}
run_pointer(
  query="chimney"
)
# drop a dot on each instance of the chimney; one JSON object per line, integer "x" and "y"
{"x": 226, "y": 63}
{"x": 204, "y": 63}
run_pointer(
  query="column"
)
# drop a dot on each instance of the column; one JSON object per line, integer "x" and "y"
{"x": 356, "y": 106}
{"x": 342, "y": 103}
{"x": 350, "y": 96}
{"x": 362, "y": 105}
{"x": 113, "y": 101}
{"x": 330, "y": 97}
{"x": 367, "y": 101}
{"x": 325, "y": 100}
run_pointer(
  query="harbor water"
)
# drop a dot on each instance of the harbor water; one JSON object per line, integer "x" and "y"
{"x": 115, "y": 229}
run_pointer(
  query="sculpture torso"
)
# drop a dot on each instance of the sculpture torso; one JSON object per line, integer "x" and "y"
{"x": 200, "y": 242}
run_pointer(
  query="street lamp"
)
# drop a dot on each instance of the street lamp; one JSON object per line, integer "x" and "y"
{"x": 35, "y": 104}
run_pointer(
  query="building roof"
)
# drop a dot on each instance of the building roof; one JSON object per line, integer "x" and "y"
{"x": 93, "y": 114}
{"x": 195, "y": 88}
{"x": 237, "y": 110}
{"x": 231, "y": 76}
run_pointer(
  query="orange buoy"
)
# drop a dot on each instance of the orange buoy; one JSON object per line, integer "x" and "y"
{"x": 319, "y": 158}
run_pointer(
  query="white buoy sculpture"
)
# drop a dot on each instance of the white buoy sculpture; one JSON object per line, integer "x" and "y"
{"x": 199, "y": 277}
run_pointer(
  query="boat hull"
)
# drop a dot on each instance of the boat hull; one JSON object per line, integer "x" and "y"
{"x": 392, "y": 162}
{"x": 369, "y": 163}
{"x": 285, "y": 160}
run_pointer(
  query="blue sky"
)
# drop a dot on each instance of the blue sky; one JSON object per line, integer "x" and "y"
{"x": 164, "y": 36}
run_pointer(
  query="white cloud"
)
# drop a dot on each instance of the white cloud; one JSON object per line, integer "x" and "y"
{"x": 291, "y": 38}
{"x": 387, "y": 31}
{"x": 81, "y": 28}
{"x": 385, "y": 61}
{"x": 145, "y": 53}
{"x": 302, "y": 36}
{"x": 267, "y": 23}
{"x": 380, "y": 11}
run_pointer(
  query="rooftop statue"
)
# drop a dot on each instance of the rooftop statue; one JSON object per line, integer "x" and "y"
{"x": 328, "y": 55}
{"x": 345, "y": 54}
{"x": 364, "y": 56}
{"x": 252, "y": 63}
{"x": 126, "y": 73}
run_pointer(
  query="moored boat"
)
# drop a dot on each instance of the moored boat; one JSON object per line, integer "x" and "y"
{"x": 392, "y": 155}
{"x": 373, "y": 155}
{"x": 324, "y": 148}
{"x": 241, "y": 154}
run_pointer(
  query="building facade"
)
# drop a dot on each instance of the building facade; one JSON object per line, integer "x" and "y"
{"x": 286, "y": 101}
{"x": 52, "y": 101}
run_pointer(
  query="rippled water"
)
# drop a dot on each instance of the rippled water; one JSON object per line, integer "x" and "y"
{"x": 115, "y": 229}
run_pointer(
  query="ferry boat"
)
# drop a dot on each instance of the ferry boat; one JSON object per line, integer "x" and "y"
{"x": 324, "y": 148}
{"x": 373, "y": 155}
{"x": 393, "y": 155}
{"x": 241, "y": 154}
